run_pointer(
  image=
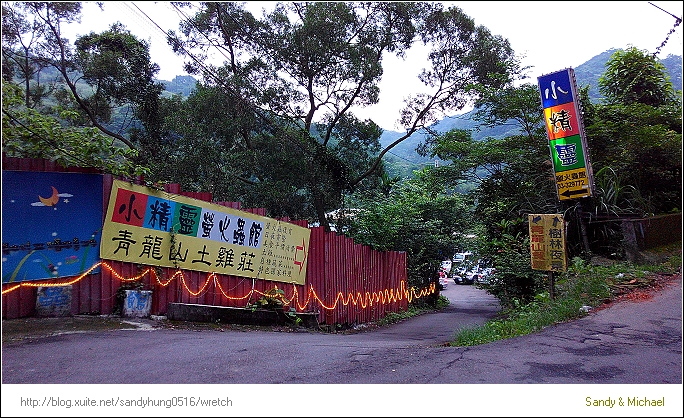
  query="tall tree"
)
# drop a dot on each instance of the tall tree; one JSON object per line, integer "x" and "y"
{"x": 513, "y": 177}
{"x": 29, "y": 133}
{"x": 636, "y": 135}
{"x": 633, "y": 76}
{"x": 115, "y": 64}
{"x": 19, "y": 41}
{"x": 301, "y": 68}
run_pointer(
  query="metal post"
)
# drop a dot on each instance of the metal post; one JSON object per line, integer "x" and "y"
{"x": 552, "y": 286}
{"x": 583, "y": 228}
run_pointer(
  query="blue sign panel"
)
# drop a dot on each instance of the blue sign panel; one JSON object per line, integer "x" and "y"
{"x": 51, "y": 224}
{"x": 556, "y": 88}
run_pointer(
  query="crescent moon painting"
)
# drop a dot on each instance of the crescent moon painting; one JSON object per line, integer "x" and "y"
{"x": 52, "y": 200}
{"x": 50, "y": 224}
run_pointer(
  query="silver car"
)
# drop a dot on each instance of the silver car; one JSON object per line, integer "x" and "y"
{"x": 486, "y": 274}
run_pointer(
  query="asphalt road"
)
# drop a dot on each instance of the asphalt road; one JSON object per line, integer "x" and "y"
{"x": 634, "y": 348}
{"x": 627, "y": 343}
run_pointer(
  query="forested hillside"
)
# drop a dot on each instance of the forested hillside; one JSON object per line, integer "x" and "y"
{"x": 181, "y": 84}
{"x": 403, "y": 158}
{"x": 276, "y": 129}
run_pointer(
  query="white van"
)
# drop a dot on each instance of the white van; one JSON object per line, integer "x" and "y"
{"x": 446, "y": 266}
{"x": 460, "y": 265}
{"x": 461, "y": 258}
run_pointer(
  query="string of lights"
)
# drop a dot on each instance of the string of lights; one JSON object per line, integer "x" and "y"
{"x": 362, "y": 299}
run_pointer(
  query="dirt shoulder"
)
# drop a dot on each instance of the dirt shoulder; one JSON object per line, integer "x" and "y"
{"x": 24, "y": 329}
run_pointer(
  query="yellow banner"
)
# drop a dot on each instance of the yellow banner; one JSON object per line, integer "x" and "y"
{"x": 547, "y": 242}
{"x": 152, "y": 227}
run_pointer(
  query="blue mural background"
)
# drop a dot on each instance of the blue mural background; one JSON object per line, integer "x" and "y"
{"x": 51, "y": 224}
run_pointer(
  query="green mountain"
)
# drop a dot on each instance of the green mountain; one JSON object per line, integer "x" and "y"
{"x": 589, "y": 72}
{"x": 181, "y": 84}
{"x": 403, "y": 158}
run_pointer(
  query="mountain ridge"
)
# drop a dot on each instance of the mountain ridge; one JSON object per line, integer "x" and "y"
{"x": 403, "y": 158}
{"x": 404, "y": 155}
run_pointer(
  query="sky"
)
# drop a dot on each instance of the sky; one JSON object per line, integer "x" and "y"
{"x": 550, "y": 35}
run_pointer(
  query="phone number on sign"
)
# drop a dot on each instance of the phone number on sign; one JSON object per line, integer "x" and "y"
{"x": 572, "y": 184}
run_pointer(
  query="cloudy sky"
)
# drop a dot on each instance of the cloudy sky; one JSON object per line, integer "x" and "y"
{"x": 550, "y": 35}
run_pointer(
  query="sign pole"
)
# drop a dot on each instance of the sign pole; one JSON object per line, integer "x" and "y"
{"x": 583, "y": 228}
{"x": 552, "y": 286}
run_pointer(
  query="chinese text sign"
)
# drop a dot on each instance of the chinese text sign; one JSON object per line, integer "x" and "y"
{"x": 565, "y": 130}
{"x": 547, "y": 242}
{"x": 152, "y": 227}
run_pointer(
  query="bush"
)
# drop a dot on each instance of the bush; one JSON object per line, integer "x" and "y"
{"x": 582, "y": 285}
{"x": 514, "y": 278}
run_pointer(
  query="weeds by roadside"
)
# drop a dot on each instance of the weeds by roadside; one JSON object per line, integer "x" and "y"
{"x": 584, "y": 287}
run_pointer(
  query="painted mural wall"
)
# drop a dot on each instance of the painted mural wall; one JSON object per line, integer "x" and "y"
{"x": 51, "y": 224}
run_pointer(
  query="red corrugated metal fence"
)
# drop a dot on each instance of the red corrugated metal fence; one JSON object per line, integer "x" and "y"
{"x": 346, "y": 283}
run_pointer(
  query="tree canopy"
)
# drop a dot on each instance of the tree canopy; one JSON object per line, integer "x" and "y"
{"x": 114, "y": 67}
{"x": 293, "y": 76}
{"x": 633, "y": 76}
{"x": 636, "y": 135}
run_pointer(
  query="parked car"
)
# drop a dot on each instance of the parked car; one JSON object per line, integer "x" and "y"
{"x": 461, "y": 258}
{"x": 446, "y": 266}
{"x": 460, "y": 265}
{"x": 461, "y": 276}
{"x": 444, "y": 282}
{"x": 475, "y": 274}
{"x": 486, "y": 274}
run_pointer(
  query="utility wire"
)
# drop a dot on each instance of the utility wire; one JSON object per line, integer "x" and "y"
{"x": 678, "y": 19}
{"x": 259, "y": 112}
{"x": 216, "y": 77}
{"x": 181, "y": 14}
{"x": 203, "y": 66}
{"x": 677, "y": 23}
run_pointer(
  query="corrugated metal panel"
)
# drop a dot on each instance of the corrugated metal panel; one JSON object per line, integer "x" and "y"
{"x": 355, "y": 279}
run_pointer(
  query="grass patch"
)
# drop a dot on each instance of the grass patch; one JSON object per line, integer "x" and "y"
{"x": 582, "y": 286}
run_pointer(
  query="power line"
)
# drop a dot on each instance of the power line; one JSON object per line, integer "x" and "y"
{"x": 139, "y": 20}
{"x": 259, "y": 112}
{"x": 183, "y": 17}
{"x": 678, "y": 21}
{"x": 678, "y": 18}
{"x": 197, "y": 61}
{"x": 209, "y": 71}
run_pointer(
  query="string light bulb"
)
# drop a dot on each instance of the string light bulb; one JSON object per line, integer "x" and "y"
{"x": 364, "y": 300}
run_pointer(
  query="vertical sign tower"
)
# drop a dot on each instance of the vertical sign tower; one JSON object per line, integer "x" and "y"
{"x": 567, "y": 140}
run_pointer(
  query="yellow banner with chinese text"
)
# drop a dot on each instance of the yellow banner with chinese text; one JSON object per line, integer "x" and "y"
{"x": 547, "y": 242}
{"x": 152, "y": 227}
